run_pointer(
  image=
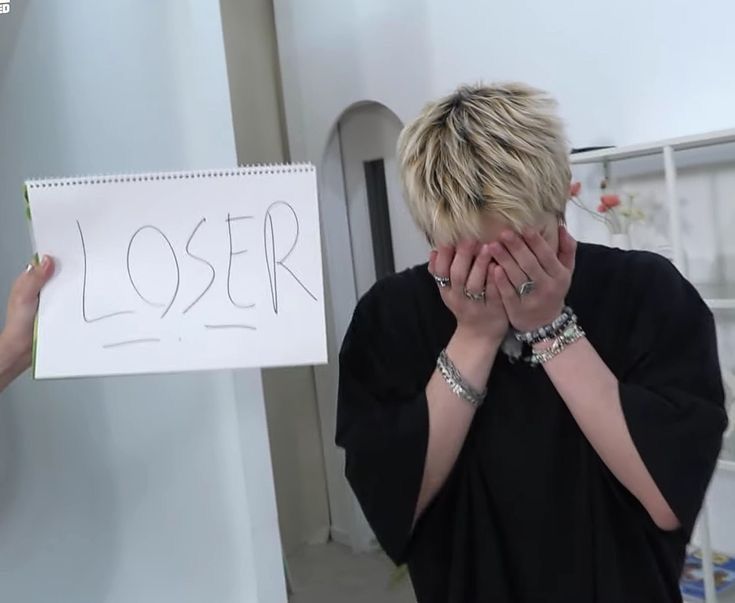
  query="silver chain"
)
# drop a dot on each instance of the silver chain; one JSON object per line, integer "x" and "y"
{"x": 457, "y": 382}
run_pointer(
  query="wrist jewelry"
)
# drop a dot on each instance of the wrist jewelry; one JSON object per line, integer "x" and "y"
{"x": 572, "y": 333}
{"x": 457, "y": 382}
{"x": 551, "y": 330}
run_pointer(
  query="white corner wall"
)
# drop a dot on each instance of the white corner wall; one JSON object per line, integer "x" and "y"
{"x": 622, "y": 73}
{"x": 154, "y": 489}
{"x": 632, "y": 72}
{"x": 290, "y": 393}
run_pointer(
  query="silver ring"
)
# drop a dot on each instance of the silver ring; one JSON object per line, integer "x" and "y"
{"x": 442, "y": 281}
{"x": 526, "y": 288}
{"x": 478, "y": 297}
{"x": 29, "y": 268}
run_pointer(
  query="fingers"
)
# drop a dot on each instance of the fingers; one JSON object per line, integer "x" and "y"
{"x": 512, "y": 270}
{"x": 466, "y": 268}
{"x": 523, "y": 256}
{"x": 491, "y": 287}
{"x": 545, "y": 255}
{"x": 477, "y": 279}
{"x": 461, "y": 265}
{"x": 29, "y": 284}
{"x": 505, "y": 287}
{"x": 567, "y": 248}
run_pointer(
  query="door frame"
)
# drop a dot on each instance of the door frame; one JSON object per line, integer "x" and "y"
{"x": 348, "y": 523}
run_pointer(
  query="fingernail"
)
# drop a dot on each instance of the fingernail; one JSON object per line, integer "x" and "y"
{"x": 45, "y": 262}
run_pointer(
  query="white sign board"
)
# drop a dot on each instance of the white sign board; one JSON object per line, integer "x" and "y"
{"x": 179, "y": 272}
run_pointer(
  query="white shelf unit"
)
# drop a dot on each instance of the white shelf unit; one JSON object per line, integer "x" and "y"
{"x": 667, "y": 149}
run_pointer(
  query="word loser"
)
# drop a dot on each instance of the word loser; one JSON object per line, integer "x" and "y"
{"x": 280, "y": 237}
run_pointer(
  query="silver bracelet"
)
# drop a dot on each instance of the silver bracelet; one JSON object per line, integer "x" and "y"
{"x": 457, "y": 382}
{"x": 571, "y": 334}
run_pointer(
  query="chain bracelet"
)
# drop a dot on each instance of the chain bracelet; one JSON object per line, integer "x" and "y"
{"x": 570, "y": 335}
{"x": 457, "y": 382}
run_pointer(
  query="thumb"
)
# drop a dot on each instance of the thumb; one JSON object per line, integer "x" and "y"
{"x": 567, "y": 248}
{"x": 29, "y": 284}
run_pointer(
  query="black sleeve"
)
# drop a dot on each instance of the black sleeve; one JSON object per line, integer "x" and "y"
{"x": 672, "y": 394}
{"x": 382, "y": 416}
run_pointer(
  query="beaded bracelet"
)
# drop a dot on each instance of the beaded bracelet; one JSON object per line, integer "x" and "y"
{"x": 571, "y": 334}
{"x": 551, "y": 330}
{"x": 457, "y": 382}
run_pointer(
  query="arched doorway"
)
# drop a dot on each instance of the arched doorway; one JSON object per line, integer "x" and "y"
{"x": 368, "y": 233}
{"x": 383, "y": 235}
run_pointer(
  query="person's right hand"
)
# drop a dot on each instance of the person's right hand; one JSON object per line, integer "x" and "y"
{"x": 16, "y": 339}
{"x": 470, "y": 269}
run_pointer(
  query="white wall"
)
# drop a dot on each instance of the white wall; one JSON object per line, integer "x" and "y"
{"x": 255, "y": 85}
{"x": 290, "y": 393}
{"x": 148, "y": 489}
{"x": 632, "y": 72}
{"x": 623, "y": 73}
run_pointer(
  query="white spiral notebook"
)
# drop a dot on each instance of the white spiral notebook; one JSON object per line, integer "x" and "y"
{"x": 179, "y": 271}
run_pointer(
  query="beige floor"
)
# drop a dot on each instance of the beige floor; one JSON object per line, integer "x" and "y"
{"x": 333, "y": 574}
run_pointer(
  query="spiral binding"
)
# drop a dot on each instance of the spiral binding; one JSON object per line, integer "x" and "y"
{"x": 243, "y": 170}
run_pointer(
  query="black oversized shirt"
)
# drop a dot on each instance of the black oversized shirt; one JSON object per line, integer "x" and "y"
{"x": 530, "y": 513}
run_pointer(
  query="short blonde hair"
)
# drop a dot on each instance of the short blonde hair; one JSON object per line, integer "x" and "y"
{"x": 499, "y": 149}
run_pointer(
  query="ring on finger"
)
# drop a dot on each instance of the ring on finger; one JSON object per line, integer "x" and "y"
{"x": 526, "y": 288}
{"x": 442, "y": 281}
{"x": 478, "y": 297}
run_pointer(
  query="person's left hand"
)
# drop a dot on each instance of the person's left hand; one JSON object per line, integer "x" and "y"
{"x": 17, "y": 335}
{"x": 528, "y": 257}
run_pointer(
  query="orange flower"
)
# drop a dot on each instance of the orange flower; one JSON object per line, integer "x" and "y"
{"x": 610, "y": 201}
{"x": 574, "y": 189}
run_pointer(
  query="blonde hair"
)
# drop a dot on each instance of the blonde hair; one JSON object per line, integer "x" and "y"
{"x": 497, "y": 149}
